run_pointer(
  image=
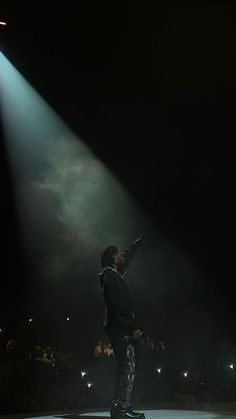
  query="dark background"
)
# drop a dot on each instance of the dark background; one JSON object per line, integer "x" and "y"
{"x": 151, "y": 89}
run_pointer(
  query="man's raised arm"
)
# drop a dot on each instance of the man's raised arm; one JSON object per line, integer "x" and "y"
{"x": 130, "y": 252}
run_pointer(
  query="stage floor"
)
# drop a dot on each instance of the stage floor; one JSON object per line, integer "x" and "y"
{"x": 151, "y": 414}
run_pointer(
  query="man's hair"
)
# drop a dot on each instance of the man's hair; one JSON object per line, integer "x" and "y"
{"x": 107, "y": 257}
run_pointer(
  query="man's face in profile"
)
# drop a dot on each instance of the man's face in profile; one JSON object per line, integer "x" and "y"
{"x": 119, "y": 258}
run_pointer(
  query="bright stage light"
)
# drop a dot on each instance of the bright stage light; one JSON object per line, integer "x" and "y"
{"x": 185, "y": 374}
{"x": 64, "y": 195}
{"x": 30, "y": 319}
{"x": 68, "y": 319}
{"x": 89, "y": 385}
{"x": 3, "y": 23}
{"x": 159, "y": 370}
{"x": 231, "y": 366}
{"x": 83, "y": 373}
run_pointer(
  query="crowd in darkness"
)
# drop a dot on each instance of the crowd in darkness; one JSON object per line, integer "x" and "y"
{"x": 39, "y": 378}
{"x": 45, "y": 377}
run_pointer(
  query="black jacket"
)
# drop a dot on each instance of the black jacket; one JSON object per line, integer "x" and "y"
{"x": 119, "y": 314}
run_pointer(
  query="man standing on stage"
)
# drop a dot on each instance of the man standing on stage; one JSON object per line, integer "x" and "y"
{"x": 119, "y": 326}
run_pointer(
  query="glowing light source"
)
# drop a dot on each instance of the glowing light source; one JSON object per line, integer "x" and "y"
{"x": 83, "y": 373}
{"x": 30, "y": 319}
{"x": 185, "y": 373}
{"x": 58, "y": 168}
{"x": 68, "y": 319}
{"x": 3, "y": 23}
{"x": 89, "y": 385}
{"x": 159, "y": 370}
{"x": 1, "y": 330}
{"x": 231, "y": 366}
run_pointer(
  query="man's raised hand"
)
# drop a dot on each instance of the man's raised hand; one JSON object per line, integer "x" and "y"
{"x": 140, "y": 240}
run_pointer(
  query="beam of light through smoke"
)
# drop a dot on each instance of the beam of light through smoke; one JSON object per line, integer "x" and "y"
{"x": 66, "y": 197}
{"x": 70, "y": 206}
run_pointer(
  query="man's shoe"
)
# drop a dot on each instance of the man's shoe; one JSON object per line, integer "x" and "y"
{"x": 119, "y": 411}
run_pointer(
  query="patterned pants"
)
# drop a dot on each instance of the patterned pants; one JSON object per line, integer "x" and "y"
{"x": 125, "y": 355}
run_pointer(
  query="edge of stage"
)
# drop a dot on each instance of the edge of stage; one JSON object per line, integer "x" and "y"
{"x": 152, "y": 411}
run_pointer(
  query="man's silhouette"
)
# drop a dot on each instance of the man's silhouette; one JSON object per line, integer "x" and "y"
{"x": 119, "y": 325}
